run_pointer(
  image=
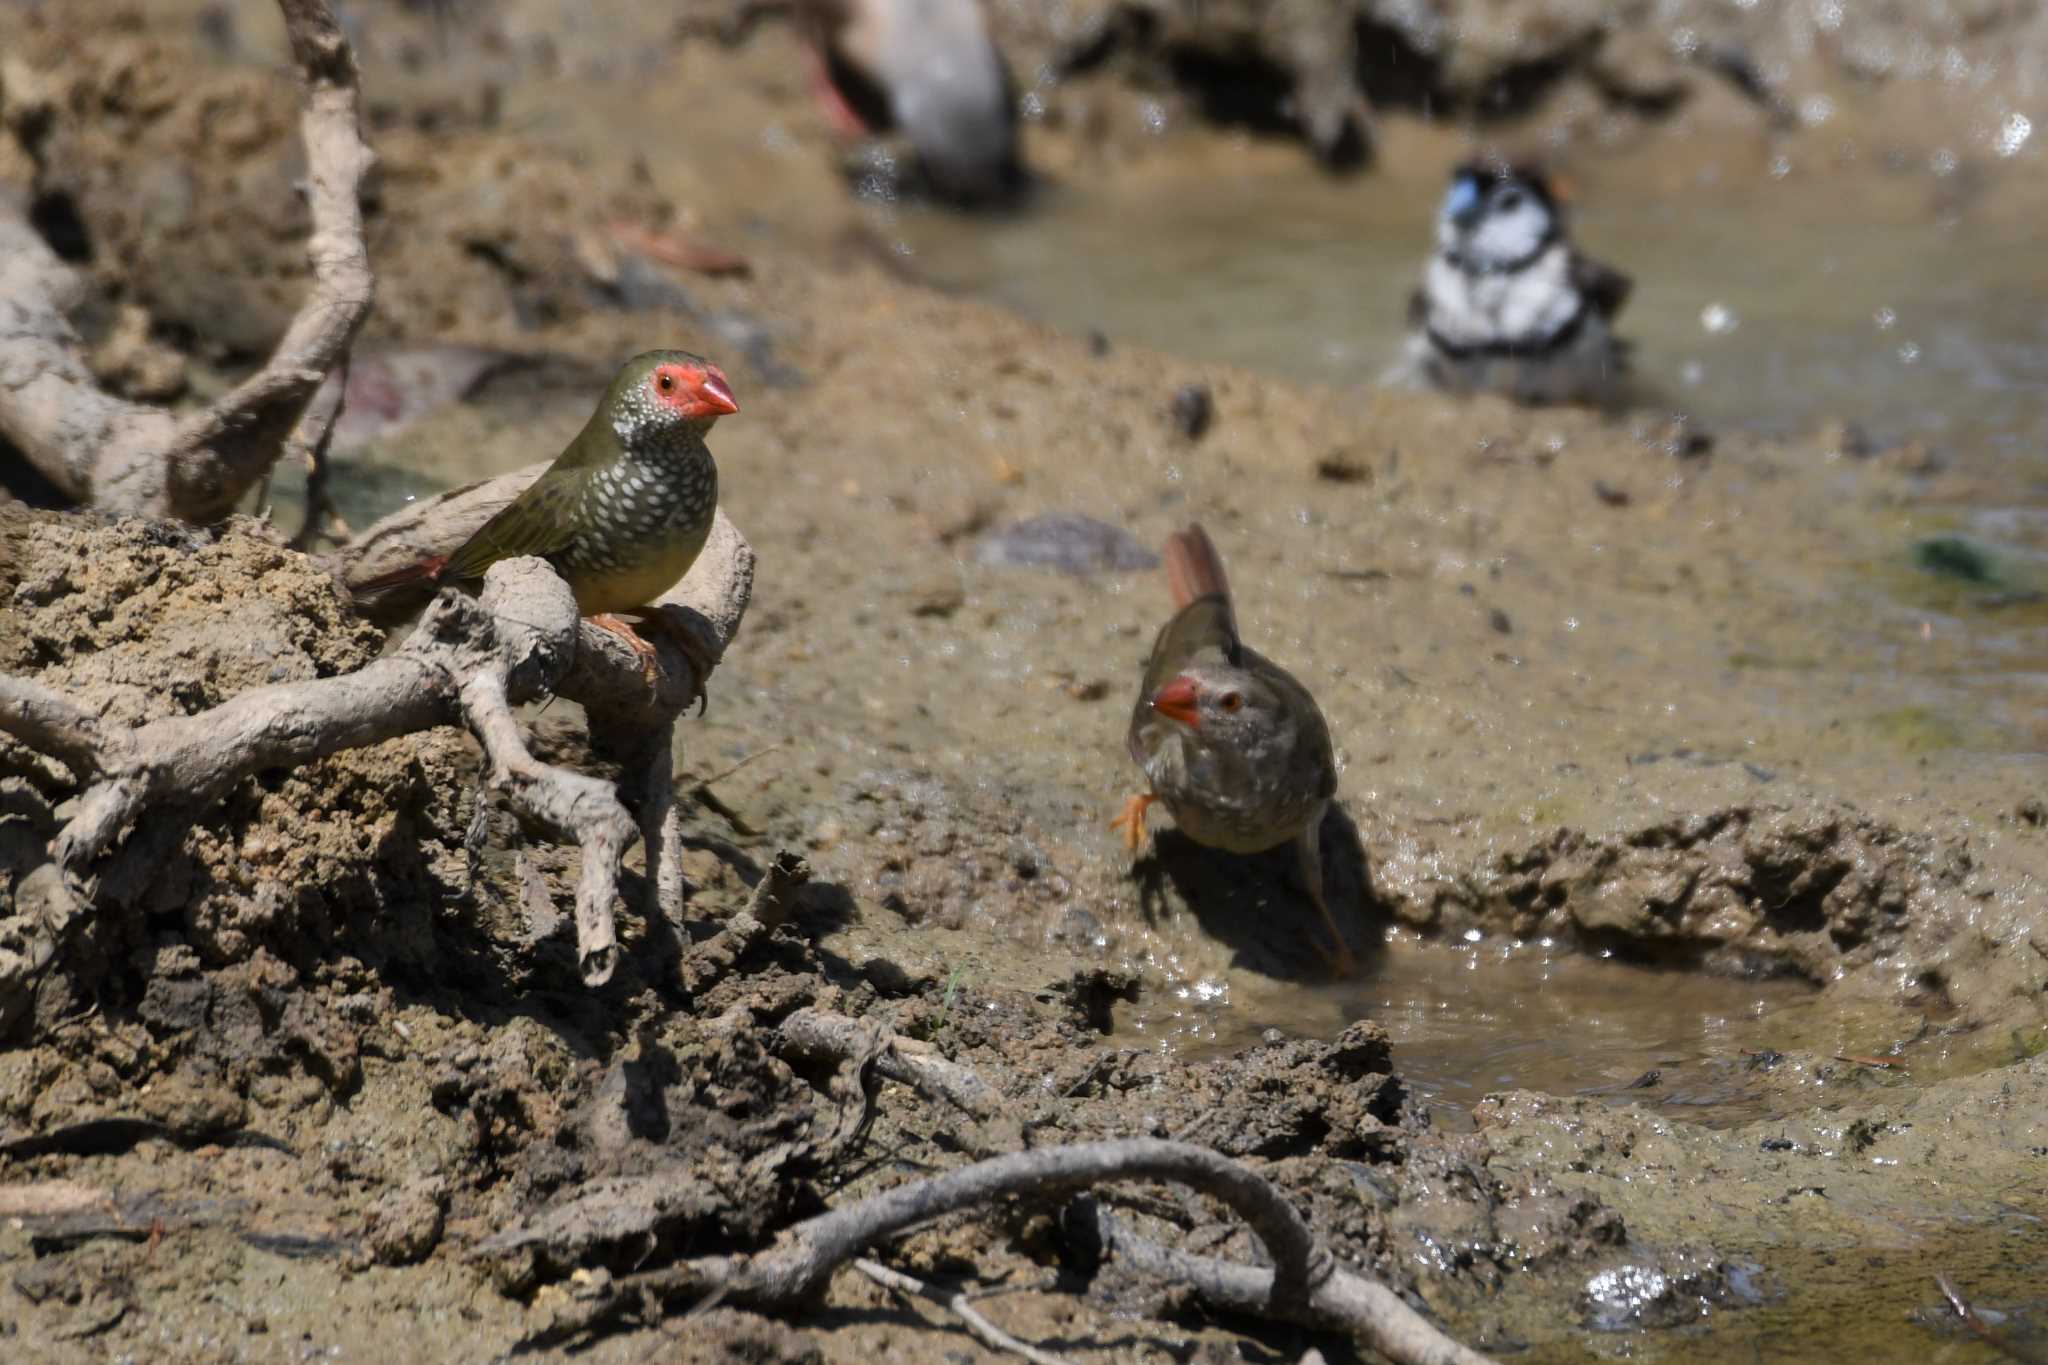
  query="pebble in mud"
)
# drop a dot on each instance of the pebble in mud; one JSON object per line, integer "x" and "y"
{"x": 1192, "y": 411}
{"x": 407, "y": 1224}
{"x": 1065, "y": 541}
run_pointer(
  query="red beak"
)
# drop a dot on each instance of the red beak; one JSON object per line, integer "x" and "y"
{"x": 714, "y": 395}
{"x": 1176, "y": 701}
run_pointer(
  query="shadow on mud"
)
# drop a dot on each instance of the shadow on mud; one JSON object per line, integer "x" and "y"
{"x": 1258, "y": 906}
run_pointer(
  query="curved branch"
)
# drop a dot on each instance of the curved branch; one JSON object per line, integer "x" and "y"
{"x": 1345, "y": 1302}
{"x": 1305, "y": 1286}
{"x": 134, "y": 458}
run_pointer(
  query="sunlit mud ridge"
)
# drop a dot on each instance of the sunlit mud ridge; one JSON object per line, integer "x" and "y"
{"x": 320, "y": 1064}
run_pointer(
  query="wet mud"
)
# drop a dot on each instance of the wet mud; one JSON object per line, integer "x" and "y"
{"x": 320, "y": 1081}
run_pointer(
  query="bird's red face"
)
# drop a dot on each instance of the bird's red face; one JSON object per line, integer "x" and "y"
{"x": 692, "y": 391}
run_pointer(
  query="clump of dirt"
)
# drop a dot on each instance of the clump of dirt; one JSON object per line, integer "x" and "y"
{"x": 135, "y": 623}
{"x": 174, "y": 179}
{"x": 1751, "y": 890}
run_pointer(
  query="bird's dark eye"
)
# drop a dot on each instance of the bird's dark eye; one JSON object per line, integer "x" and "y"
{"x": 1509, "y": 201}
{"x": 666, "y": 382}
{"x": 1231, "y": 701}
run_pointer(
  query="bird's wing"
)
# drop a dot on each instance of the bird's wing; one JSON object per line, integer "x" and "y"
{"x": 1603, "y": 286}
{"x": 537, "y": 522}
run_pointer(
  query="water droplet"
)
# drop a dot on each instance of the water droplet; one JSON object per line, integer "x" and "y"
{"x": 2012, "y": 134}
{"x": 1153, "y": 115}
{"x": 1885, "y": 319}
{"x": 1718, "y": 319}
{"x": 1816, "y": 110}
{"x": 1909, "y": 353}
{"x": 1943, "y": 162}
{"x": 1031, "y": 107}
{"x": 1781, "y": 166}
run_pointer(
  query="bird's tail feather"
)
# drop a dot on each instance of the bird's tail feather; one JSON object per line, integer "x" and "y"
{"x": 427, "y": 570}
{"x": 1193, "y": 568}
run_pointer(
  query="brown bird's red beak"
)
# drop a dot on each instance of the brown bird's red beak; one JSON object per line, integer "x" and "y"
{"x": 711, "y": 396}
{"x": 1176, "y": 701}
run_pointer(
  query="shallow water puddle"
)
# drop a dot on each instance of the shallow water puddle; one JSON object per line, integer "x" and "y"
{"x": 1467, "y": 1022}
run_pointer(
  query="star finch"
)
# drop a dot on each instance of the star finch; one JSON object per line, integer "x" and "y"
{"x": 1233, "y": 745}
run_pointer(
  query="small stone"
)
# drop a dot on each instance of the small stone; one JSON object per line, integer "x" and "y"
{"x": 1341, "y": 466}
{"x": 406, "y": 1225}
{"x": 1193, "y": 411}
{"x": 1064, "y": 541}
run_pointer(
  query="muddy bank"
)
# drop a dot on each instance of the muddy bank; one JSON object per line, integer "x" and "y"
{"x": 1331, "y": 72}
{"x": 1563, "y": 656}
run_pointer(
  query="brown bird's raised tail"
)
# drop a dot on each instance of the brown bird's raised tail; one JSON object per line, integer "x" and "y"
{"x": 1193, "y": 568}
{"x": 428, "y": 570}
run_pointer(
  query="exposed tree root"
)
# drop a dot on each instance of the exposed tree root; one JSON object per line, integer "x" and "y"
{"x": 468, "y": 662}
{"x": 1305, "y": 1286}
{"x": 119, "y": 456}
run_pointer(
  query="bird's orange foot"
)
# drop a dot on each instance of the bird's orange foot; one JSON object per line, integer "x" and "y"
{"x": 606, "y": 621}
{"x": 1341, "y": 963}
{"x": 1131, "y": 820}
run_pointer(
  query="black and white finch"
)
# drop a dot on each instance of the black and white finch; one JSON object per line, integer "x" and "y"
{"x": 1506, "y": 304}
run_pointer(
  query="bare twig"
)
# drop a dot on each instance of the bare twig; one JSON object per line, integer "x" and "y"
{"x": 1974, "y": 1320}
{"x": 320, "y": 510}
{"x": 986, "y": 1332}
{"x": 131, "y": 457}
{"x": 1304, "y": 1286}
{"x": 1344, "y": 1302}
{"x": 819, "y": 1033}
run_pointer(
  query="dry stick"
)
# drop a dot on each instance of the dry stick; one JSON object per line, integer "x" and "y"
{"x": 1974, "y": 1320}
{"x": 1344, "y": 1302}
{"x": 320, "y": 509}
{"x": 1305, "y": 1286}
{"x": 821, "y": 1034}
{"x": 135, "y": 458}
{"x": 986, "y": 1332}
{"x": 569, "y": 805}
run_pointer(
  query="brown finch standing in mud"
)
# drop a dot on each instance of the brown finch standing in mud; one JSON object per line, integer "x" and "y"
{"x": 1232, "y": 744}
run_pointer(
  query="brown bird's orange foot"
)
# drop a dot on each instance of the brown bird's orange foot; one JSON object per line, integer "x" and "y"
{"x": 1340, "y": 962}
{"x": 1131, "y": 820}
